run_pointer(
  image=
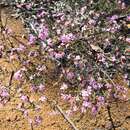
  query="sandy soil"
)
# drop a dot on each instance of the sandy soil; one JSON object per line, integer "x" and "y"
{"x": 13, "y": 120}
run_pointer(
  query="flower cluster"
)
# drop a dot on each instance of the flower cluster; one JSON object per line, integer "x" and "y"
{"x": 4, "y": 95}
{"x": 86, "y": 46}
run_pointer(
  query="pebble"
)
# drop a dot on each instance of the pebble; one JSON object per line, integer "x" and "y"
{"x": 98, "y": 129}
{"x": 123, "y": 129}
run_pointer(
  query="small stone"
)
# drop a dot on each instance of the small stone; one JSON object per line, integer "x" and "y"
{"x": 123, "y": 129}
{"x": 108, "y": 126}
{"x": 98, "y": 129}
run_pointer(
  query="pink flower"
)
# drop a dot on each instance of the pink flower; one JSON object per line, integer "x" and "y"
{"x": 82, "y": 11}
{"x": 49, "y": 42}
{"x": 25, "y": 113}
{"x": 109, "y": 86}
{"x": 66, "y": 96}
{"x": 67, "y": 23}
{"x": 1, "y": 47}
{"x": 123, "y": 59}
{"x": 4, "y": 93}
{"x": 59, "y": 55}
{"x": 43, "y": 33}
{"x": 62, "y": 18}
{"x": 92, "y": 22}
{"x": 87, "y": 104}
{"x": 38, "y": 120}
{"x": 8, "y": 31}
{"x": 64, "y": 86}
{"x": 101, "y": 100}
{"x": 28, "y": 6}
{"x": 113, "y": 58}
{"x": 21, "y": 48}
{"x": 128, "y": 18}
{"x": 77, "y": 58}
{"x": 123, "y": 6}
{"x": 32, "y": 39}
{"x": 42, "y": 99}
{"x": 34, "y": 88}
{"x": 114, "y": 17}
{"x": 84, "y": 93}
{"x": 67, "y": 38}
{"x": 24, "y": 98}
{"x": 101, "y": 57}
{"x": 128, "y": 40}
{"x": 33, "y": 54}
{"x": 41, "y": 13}
{"x": 18, "y": 75}
{"x": 19, "y": 5}
{"x": 83, "y": 109}
{"x": 58, "y": 31}
{"x": 70, "y": 75}
{"x": 41, "y": 87}
{"x": 94, "y": 110}
{"x": 69, "y": 112}
{"x": 89, "y": 90}
{"x": 75, "y": 108}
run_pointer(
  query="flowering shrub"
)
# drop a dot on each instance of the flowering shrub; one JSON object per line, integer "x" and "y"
{"x": 85, "y": 43}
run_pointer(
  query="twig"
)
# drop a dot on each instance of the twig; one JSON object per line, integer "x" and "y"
{"x": 66, "y": 117}
{"x": 14, "y": 37}
{"x": 110, "y": 117}
{"x": 106, "y": 75}
{"x": 33, "y": 28}
{"x": 1, "y": 24}
{"x": 11, "y": 77}
{"x": 31, "y": 126}
{"x": 56, "y": 106}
